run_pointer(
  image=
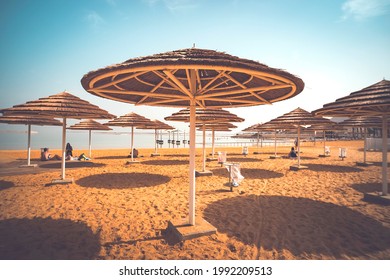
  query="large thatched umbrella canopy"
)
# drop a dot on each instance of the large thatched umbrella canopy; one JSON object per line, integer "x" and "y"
{"x": 130, "y": 120}
{"x": 62, "y": 105}
{"x": 192, "y": 78}
{"x": 204, "y": 116}
{"x": 89, "y": 125}
{"x": 156, "y": 125}
{"x": 29, "y": 120}
{"x": 299, "y": 117}
{"x": 373, "y": 100}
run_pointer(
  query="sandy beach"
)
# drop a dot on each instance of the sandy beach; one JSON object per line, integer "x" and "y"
{"x": 116, "y": 210}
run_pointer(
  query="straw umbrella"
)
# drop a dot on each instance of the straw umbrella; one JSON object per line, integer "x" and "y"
{"x": 324, "y": 127}
{"x": 156, "y": 125}
{"x": 274, "y": 126}
{"x": 254, "y": 128}
{"x": 298, "y": 118}
{"x": 373, "y": 100}
{"x": 213, "y": 127}
{"x": 29, "y": 120}
{"x": 89, "y": 125}
{"x": 130, "y": 120}
{"x": 192, "y": 78}
{"x": 204, "y": 116}
{"x": 62, "y": 105}
{"x": 365, "y": 123}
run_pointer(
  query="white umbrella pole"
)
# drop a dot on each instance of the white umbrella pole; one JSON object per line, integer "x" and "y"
{"x": 155, "y": 141}
{"x": 212, "y": 144}
{"x": 258, "y": 136}
{"x": 29, "y": 145}
{"x": 90, "y": 150}
{"x": 299, "y": 145}
{"x": 384, "y": 155}
{"x": 365, "y": 145}
{"x": 204, "y": 147}
{"x": 324, "y": 142}
{"x": 132, "y": 143}
{"x": 275, "y": 142}
{"x": 63, "y": 148}
{"x": 192, "y": 163}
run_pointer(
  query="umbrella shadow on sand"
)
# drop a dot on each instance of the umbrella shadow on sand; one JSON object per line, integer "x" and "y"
{"x": 123, "y": 180}
{"x": 47, "y": 239}
{"x": 166, "y": 162}
{"x": 299, "y": 225}
{"x": 332, "y": 168}
{"x": 113, "y": 157}
{"x": 250, "y": 173}
{"x": 6, "y": 185}
{"x": 72, "y": 164}
{"x": 244, "y": 159}
{"x": 368, "y": 187}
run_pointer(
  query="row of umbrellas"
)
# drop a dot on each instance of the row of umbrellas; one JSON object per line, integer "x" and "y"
{"x": 197, "y": 78}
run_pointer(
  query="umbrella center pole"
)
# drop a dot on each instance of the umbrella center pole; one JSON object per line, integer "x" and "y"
{"x": 365, "y": 145}
{"x": 204, "y": 148}
{"x": 63, "y": 149}
{"x": 192, "y": 164}
{"x": 324, "y": 142}
{"x": 299, "y": 145}
{"x": 212, "y": 144}
{"x": 132, "y": 143}
{"x": 90, "y": 150}
{"x": 384, "y": 155}
{"x": 29, "y": 145}
{"x": 155, "y": 141}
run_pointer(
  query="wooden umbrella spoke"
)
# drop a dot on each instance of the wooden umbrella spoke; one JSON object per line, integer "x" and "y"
{"x": 113, "y": 81}
{"x": 206, "y": 87}
{"x": 178, "y": 83}
{"x": 244, "y": 87}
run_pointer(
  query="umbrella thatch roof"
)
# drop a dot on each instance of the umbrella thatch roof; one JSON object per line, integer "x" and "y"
{"x": 252, "y": 128}
{"x": 156, "y": 124}
{"x": 89, "y": 125}
{"x": 61, "y": 105}
{"x": 163, "y": 79}
{"x": 299, "y": 117}
{"x": 373, "y": 100}
{"x": 215, "y": 126}
{"x": 130, "y": 119}
{"x": 29, "y": 119}
{"x": 363, "y": 122}
{"x": 205, "y": 116}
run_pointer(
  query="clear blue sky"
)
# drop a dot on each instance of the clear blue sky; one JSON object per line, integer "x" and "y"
{"x": 336, "y": 46}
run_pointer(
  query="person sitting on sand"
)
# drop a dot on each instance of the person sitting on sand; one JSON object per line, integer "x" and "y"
{"x": 48, "y": 156}
{"x": 69, "y": 150}
{"x": 135, "y": 153}
{"x": 292, "y": 153}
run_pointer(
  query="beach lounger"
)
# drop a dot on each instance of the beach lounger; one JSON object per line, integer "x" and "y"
{"x": 342, "y": 153}
{"x": 235, "y": 176}
{"x": 327, "y": 150}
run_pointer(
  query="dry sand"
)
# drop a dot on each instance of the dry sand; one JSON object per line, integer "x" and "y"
{"x": 119, "y": 211}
